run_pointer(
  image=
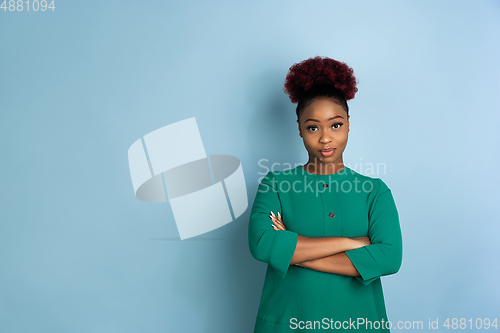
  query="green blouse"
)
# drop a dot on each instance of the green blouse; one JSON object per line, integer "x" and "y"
{"x": 346, "y": 204}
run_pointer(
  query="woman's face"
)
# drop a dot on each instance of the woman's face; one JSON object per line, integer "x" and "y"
{"x": 324, "y": 124}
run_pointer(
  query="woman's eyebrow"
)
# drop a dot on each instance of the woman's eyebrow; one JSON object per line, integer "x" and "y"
{"x": 316, "y": 120}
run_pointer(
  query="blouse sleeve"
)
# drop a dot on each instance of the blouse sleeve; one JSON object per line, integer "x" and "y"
{"x": 385, "y": 253}
{"x": 274, "y": 247}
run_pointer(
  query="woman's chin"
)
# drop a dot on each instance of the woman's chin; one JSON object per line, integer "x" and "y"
{"x": 329, "y": 159}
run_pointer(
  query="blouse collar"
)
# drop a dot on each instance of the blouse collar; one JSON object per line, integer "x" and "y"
{"x": 344, "y": 173}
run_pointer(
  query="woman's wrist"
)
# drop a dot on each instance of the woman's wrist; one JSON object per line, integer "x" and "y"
{"x": 348, "y": 244}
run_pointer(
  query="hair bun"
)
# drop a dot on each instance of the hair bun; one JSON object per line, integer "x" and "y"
{"x": 319, "y": 70}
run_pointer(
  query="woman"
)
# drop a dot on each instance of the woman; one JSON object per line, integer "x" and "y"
{"x": 327, "y": 232}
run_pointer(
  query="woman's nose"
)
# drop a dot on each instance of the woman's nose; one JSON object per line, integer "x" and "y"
{"x": 325, "y": 138}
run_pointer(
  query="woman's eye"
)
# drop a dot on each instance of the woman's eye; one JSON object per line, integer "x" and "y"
{"x": 310, "y": 128}
{"x": 314, "y": 128}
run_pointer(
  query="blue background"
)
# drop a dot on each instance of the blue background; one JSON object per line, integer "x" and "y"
{"x": 78, "y": 251}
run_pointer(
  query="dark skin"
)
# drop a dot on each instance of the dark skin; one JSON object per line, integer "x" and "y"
{"x": 324, "y": 124}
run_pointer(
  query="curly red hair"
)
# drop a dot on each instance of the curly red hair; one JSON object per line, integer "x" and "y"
{"x": 319, "y": 71}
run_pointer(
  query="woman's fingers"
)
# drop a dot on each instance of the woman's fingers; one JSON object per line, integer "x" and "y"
{"x": 277, "y": 220}
{"x": 278, "y": 223}
{"x": 278, "y": 226}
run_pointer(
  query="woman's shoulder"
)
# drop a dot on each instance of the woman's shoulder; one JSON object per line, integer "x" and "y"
{"x": 276, "y": 176}
{"x": 283, "y": 173}
{"x": 378, "y": 185}
{"x": 289, "y": 174}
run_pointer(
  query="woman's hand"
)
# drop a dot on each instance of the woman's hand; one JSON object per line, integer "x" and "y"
{"x": 278, "y": 223}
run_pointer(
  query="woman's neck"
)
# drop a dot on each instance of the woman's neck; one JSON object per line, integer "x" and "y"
{"x": 323, "y": 168}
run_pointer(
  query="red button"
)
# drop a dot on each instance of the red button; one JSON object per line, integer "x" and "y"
{"x": 325, "y": 185}
{"x": 332, "y": 214}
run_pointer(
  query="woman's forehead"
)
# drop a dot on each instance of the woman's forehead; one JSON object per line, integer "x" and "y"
{"x": 324, "y": 109}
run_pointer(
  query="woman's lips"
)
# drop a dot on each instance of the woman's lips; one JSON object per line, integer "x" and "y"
{"x": 327, "y": 152}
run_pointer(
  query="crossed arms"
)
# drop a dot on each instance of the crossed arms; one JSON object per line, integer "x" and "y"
{"x": 324, "y": 254}
{"x": 365, "y": 258}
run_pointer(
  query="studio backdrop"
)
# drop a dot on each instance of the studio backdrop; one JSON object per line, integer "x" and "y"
{"x": 134, "y": 136}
